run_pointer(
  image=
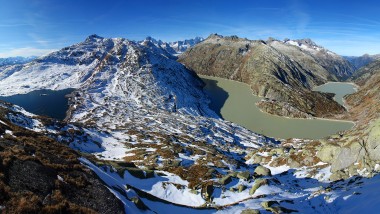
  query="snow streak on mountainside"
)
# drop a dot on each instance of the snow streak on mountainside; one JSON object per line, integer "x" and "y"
{"x": 335, "y": 64}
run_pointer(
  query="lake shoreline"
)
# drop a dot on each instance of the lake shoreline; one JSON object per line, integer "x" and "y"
{"x": 314, "y": 133}
{"x": 293, "y": 118}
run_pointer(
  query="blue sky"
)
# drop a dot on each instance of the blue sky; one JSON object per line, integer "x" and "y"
{"x": 34, "y": 27}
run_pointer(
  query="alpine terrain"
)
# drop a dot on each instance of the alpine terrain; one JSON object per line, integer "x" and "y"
{"x": 139, "y": 135}
{"x": 283, "y": 72}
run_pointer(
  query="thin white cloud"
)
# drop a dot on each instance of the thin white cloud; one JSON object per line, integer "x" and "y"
{"x": 13, "y": 25}
{"x": 25, "y": 52}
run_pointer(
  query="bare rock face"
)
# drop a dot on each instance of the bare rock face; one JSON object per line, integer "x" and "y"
{"x": 373, "y": 141}
{"x": 282, "y": 72}
{"x": 357, "y": 150}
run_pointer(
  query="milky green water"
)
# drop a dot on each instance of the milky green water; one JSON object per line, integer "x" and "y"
{"x": 235, "y": 102}
{"x": 339, "y": 88}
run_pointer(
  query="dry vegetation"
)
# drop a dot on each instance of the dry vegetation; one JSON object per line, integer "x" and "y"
{"x": 39, "y": 175}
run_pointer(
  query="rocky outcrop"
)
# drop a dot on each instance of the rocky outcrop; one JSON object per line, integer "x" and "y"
{"x": 39, "y": 175}
{"x": 282, "y": 72}
{"x": 357, "y": 151}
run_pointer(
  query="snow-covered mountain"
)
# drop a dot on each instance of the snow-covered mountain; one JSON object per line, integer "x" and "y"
{"x": 332, "y": 62}
{"x": 176, "y": 47}
{"x": 136, "y": 101}
{"x": 16, "y": 60}
{"x": 182, "y": 46}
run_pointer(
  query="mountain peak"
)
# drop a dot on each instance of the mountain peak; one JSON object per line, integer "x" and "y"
{"x": 94, "y": 37}
{"x": 214, "y": 36}
{"x": 306, "y": 41}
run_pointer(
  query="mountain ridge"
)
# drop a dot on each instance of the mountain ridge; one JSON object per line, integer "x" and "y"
{"x": 270, "y": 67}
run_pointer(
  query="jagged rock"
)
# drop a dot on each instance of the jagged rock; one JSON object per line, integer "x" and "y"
{"x": 274, "y": 207}
{"x": 338, "y": 175}
{"x": 257, "y": 158}
{"x": 140, "y": 173}
{"x": 243, "y": 175}
{"x": 225, "y": 180}
{"x": 279, "y": 151}
{"x": 241, "y": 188}
{"x": 262, "y": 171}
{"x": 139, "y": 203}
{"x": 258, "y": 183}
{"x": 293, "y": 163}
{"x": 250, "y": 211}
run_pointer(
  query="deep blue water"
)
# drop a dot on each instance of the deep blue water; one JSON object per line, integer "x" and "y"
{"x": 43, "y": 102}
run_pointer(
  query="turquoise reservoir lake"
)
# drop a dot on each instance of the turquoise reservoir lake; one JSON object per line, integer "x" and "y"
{"x": 235, "y": 102}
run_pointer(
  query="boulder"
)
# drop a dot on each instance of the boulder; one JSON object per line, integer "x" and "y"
{"x": 262, "y": 171}
{"x": 250, "y": 211}
{"x": 347, "y": 156}
{"x": 258, "y": 183}
{"x": 225, "y": 180}
{"x": 244, "y": 175}
{"x": 241, "y": 188}
{"x": 274, "y": 207}
{"x": 139, "y": 203}
{"x": 328, "y": 152}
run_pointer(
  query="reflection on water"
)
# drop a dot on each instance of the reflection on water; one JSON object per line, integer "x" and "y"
{"x": 42, "y": 102}
{"x": 236, "y": 103}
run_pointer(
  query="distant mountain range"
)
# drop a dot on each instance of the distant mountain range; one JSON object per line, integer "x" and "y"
{"x": 361, "y": 61}
{"x": 16, "y": 60}
{"x": 176, "y": 47}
